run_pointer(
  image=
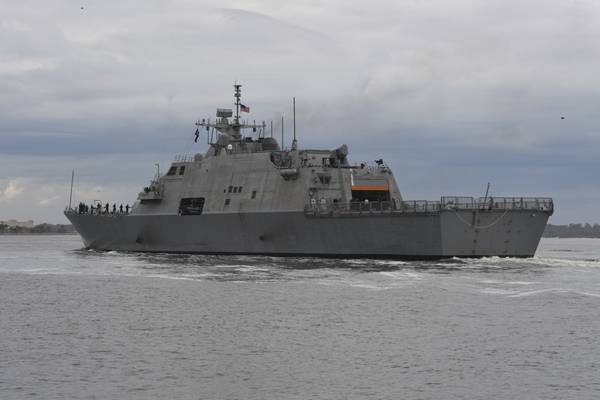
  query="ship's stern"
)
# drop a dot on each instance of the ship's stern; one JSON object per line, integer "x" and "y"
{"x": 505, "y": 227}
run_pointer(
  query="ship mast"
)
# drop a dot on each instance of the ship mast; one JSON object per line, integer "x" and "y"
{"x": 237, "y": 95}
{"x": 232, "y": 130}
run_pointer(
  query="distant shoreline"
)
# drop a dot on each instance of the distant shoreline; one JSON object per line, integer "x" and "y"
{"x": 38, "y": 233}
{"x": 556, "y": 237}
{"x": 40, "y": 229}
{"x": 572, "y": 231}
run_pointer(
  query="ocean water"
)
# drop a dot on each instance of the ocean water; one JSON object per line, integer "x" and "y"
{"x": 81, "y": 324}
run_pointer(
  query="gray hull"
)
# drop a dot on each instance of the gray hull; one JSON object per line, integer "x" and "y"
{"x": 248, "y": 195}
{"x": 447, "y": 233}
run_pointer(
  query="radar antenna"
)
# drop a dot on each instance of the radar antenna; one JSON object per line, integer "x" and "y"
{"x": 295, "y": 142}
{"x": 232, "y": 130}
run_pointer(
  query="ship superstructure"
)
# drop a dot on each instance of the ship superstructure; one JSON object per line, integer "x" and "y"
{"x": 247, "y": 195}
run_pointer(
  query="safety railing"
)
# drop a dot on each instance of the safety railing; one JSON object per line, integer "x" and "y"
{"x": 416, "y": 206}
{"x": 517, "y": 203}
{"x": 183, "y": 158}
{"x": 325, "y": 207}
{"x": 498, "y": 203}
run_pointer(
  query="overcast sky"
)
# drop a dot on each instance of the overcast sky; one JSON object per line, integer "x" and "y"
{"x": 452, "y": 94}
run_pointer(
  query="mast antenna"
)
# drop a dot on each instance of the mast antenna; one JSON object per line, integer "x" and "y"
{"x": 71, "y": 193}
{"x": 487, "y": 192}
{"x": 237, "y": 95}
{"x": 282, "y": 133}
{"x": 295, "y": 142}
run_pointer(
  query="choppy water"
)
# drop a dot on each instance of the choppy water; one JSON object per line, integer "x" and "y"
{"x": 83, "y": 324}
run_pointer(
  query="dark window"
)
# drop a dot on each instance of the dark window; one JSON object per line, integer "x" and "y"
{"x": 172, "y": 170}
{"x": 235, "y": 189}
{"x": 230, "y": 189}
{"x": 239, "y": 189}
{"x": 227, "y": 201}
{"x": 254, "y": 194}
{"x": 371, "y": 195}
{"x": 325, "y": 179}
{"x": 191, "y": 206}
{"x": 182, "y": 170}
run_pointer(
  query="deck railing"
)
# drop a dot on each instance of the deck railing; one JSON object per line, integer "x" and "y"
{"x": 326, "y": 207}
{"x": 183, "y": 158}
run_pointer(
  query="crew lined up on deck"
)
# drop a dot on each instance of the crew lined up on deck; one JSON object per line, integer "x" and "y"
{"x": 99, "y": 209}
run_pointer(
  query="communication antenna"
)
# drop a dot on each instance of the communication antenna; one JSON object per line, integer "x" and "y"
{"x": 295, "y": 142}
{"x": 487, "y": 191}
{"x": 237, "y": 96}
{"x": 271, "y": 128}
{"x": 282, "y": 133}
{"x": 481, "y": 206}
{"x": 71, "y": 193}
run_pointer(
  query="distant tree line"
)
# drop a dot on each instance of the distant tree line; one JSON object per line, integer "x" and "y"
{"x": 573, "y": 231}
{"x": 41, "y": 228}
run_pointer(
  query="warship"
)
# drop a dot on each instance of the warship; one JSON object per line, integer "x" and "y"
{"x": 249, "y": 195}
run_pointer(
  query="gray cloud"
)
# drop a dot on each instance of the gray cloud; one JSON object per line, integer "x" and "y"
{"x": 453, "y": 95}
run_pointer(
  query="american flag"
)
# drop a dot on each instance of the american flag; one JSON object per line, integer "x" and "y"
{"x": 243, "y": 108}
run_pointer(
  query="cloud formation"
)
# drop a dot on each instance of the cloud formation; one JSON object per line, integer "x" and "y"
{"x": 453, "y": 95}
{"x": 12, "y": 191}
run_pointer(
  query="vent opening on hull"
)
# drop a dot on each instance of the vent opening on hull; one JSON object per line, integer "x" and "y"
{"x": 191, "y": 206}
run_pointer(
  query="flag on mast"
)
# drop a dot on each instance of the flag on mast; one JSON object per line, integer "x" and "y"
{"x": 244, "y": 108}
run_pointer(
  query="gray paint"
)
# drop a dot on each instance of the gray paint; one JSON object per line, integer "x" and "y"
{"x": 282, "y": 218}
{"x": 282, "y": 233}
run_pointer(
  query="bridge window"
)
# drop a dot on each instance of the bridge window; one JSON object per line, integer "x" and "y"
{"x": 235, "y": 189}
{"x": 227, "y": 201}
{"x": 230, "y": 189}
{"x": 182, "y": 170}
{"x": 324, "y": 179}
{"x": 239, "y": 189}
{"x": 191, "y": 206}
{"x": 172, "y": 171}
